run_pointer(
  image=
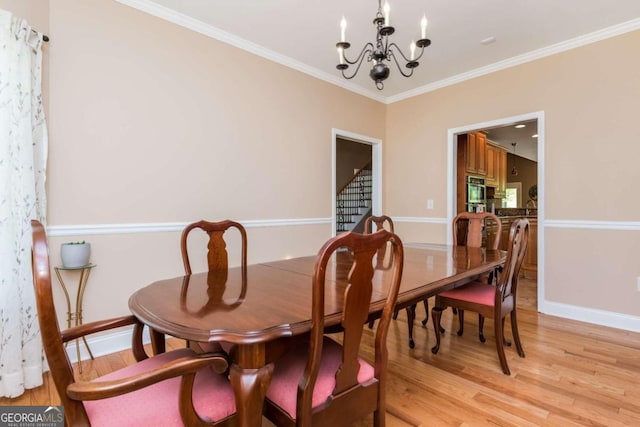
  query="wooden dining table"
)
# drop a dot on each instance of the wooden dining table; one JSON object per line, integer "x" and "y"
{"x": 257, "y": 310}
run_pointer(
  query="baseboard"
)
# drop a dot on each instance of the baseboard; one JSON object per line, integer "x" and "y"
{"x": 104, "y": 344}
{"x": 590, "y": 315}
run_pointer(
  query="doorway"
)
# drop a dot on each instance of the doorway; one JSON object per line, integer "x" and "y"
{"x": 452, "y": 153}
{"x": 376, "y": 171}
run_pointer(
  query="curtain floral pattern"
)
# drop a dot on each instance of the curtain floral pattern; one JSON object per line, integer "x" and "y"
{"x": 23, "y": 155}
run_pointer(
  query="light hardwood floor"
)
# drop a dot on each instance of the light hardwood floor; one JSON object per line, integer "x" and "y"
{"x": 574, "y": 374}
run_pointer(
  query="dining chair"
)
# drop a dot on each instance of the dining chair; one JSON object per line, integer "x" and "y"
{"x": 381, "y": 222}
{"x": 467, "y": 231}
{"x": 217, "y": 256}
{"x": 217, "y": 264}
{"x": 325, "y": 383}
{"x": 170, "y": 389}
{"x": 491, "y": 301}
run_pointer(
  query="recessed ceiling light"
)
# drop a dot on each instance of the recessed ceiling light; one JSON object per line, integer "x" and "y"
{"x": 535, "y": 135}
{"x": 520, "y": 126}
{"x": 488, "y": 40}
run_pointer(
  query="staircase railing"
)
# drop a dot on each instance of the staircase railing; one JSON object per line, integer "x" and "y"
{"x": 352, "y": 198}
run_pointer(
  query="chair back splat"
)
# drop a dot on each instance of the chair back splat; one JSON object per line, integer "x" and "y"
{"x": 326, "y": 383}
{"x": 380, "y": 222}
{"x": 468, "y": 227}
{"x": 217, "y": 256}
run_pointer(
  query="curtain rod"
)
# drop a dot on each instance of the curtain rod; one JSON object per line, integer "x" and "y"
{"x": 44, "y": 36}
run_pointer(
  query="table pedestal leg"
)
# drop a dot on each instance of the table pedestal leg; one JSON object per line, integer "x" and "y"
{"x": 249, "y": 388}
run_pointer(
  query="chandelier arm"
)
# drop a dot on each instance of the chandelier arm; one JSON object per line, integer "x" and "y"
{"x": 393, "y": 45}
{"x": 398, "y": 64}
{"x": 367, "y": 47}
{"x": 360, "y": 60}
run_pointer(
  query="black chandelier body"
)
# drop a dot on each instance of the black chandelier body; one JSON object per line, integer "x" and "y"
{"x": 382, "y": 51}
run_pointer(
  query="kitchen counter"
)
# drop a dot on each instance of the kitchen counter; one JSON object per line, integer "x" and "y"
{"x": 517, "y": 212}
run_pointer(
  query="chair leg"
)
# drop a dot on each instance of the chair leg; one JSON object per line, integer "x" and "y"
{"x": 426, "y": 310}
{"x": 379, "y": 418}
{"x": 395, "y": 314}
{"x": 507, "y": 342}
{"x": 157, "y": 341}
{"x": 436, "y": 314}
{"x": 460, "y": 322}
{"x": 499, "y": 328}
{"x": 481, "y": 328}
{"x": 371, "y": 323}
{"x": 516, "y": 335}
{"x": 411, "y": 316}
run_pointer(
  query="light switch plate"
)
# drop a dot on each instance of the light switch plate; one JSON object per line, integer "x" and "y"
{"x": 430, "y": 204}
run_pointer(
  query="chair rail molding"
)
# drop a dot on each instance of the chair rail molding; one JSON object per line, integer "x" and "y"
{"x": 168, "y": 227}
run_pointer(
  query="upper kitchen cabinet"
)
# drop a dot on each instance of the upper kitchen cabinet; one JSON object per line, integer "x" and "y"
{"x": 491, "y": 179}
{"x": 474, "y": 147}
{"x": 496, "y": 169}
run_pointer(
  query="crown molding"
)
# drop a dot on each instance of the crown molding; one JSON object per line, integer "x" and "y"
{"x": 162, "y": 12}
{"x": 205, "y": 29}
{"x": 564, "y": 46}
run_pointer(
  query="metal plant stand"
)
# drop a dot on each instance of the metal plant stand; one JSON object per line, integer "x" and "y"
{"x": 76, "y": 316}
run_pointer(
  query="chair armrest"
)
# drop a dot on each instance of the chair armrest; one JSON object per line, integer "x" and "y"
{"x": 94, "y": 390}
{"x": 97, "y": 326}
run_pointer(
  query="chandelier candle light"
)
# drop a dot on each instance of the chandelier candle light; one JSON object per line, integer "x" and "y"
{"x": 382, "y": 50}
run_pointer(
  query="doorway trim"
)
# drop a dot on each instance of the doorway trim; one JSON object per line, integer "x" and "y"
{"x": 376, "y": 170}
{"x": 452, "y": 153}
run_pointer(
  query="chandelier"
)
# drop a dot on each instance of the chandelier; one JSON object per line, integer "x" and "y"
{"x": 382, "y": 50}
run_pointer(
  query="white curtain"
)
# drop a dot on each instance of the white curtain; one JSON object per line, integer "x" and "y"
{"x": 23, "y": 156}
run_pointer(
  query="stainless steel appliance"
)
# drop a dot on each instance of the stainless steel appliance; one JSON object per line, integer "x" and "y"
{"x": 476, "y": 194}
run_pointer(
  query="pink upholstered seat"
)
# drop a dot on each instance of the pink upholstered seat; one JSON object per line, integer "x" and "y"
{"x": 289, "y": 370}
{"x": 212, "y": 397}
{"x": 475, "y": 292}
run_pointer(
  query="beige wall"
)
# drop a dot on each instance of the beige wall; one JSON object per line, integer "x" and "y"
{"x": 590, "y": 97}
{"x": 527, "y": 174}
{"x": 153, "y": 123}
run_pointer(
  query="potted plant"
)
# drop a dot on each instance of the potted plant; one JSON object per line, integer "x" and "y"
{"x": 75, "y": 254}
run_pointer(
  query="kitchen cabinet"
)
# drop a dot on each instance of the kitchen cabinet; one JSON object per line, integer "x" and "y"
{"x": 473, "y": 146}
{"x": 501, "y": 173}
{"x": 496, "y": 176}
{"x": 491, "y": 179}
{"x": 530, "y": 264}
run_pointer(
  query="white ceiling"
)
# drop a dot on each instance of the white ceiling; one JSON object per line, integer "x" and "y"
{"x": 303, "y": 34}
{"x": 525, "y": 144}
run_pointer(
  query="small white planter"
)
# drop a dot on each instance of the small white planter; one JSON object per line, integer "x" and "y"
{"x": 75, "y": 255}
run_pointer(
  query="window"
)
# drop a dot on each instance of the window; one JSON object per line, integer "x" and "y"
{"x": 513, "y": 197}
